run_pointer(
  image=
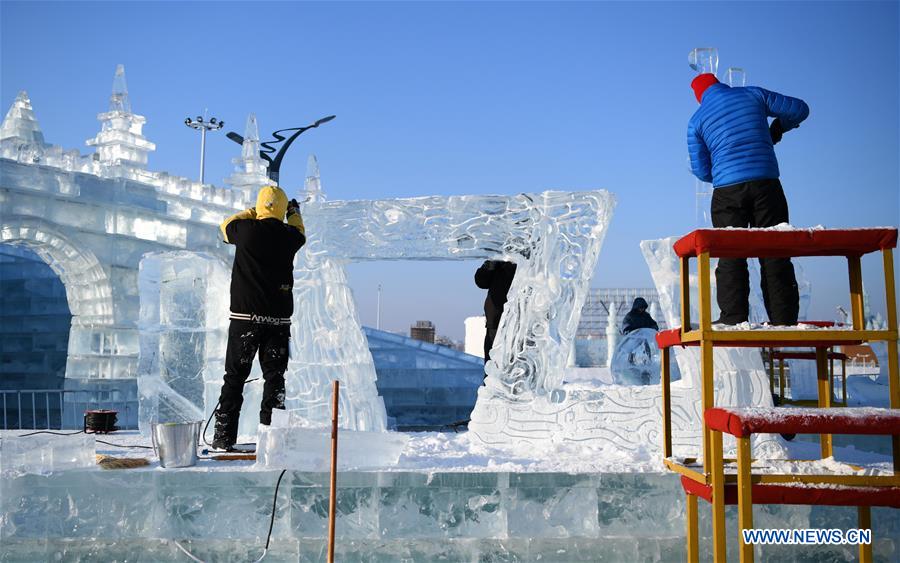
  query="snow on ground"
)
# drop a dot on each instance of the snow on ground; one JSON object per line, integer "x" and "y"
{"x": 772, "y": 328}
{"x": 864, "y": 391}
{"x": 434, "y": 452}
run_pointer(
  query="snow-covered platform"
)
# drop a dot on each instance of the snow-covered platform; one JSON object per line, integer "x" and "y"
{"x": 445, "y": 500}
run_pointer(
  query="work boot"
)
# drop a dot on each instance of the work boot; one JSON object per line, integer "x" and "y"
{"x": 275, "y": 400}
{"x": 226, "y": 431}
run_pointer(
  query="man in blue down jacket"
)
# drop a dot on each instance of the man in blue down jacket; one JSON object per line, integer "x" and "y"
{"x": 731, "y": 145}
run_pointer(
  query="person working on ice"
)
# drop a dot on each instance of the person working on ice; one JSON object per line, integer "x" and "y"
{"x": 495, "y": 276}
{"x": 262, "y": 302}
{"x": 731, "y": 145}
{"x": 638, "y": 317}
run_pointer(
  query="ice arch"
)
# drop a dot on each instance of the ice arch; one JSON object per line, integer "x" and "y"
{"x": 88, "y": 289}
{"x": 554, "y": 237}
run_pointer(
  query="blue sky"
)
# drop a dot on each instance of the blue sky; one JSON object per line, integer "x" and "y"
{"x": 457, "y": 98}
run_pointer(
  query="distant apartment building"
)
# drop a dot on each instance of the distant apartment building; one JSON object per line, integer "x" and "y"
{"x": 422, "y": 330}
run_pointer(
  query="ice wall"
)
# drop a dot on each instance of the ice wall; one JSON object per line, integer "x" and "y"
{"x": 383, "y": 516}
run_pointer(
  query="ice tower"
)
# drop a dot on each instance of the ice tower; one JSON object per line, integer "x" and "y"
{"x": 313, "y": 184}
{"x": 120, "y": 140}
{"x": 20, "y": 124}
{"x": 250, "y": 170}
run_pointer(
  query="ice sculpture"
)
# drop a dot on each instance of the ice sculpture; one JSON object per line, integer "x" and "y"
{"x": 183, "y": 324}
{"x": 120, "y": 141}
{"x": 91, "y": 218}
{"x": 183, "y": 334}
{"x": 635, "y": 360}
{"x": 704, "y": 60}
{"x": 736, "y": 76}
{"x": 740, "y": 376}
{"x": 250, "y": 169}
{"x": 327, "y": 343}
{"x": 554, "y": 237}
{"x": 20, "y": 128}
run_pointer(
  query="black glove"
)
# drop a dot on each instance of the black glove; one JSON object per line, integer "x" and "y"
{"x": 293, "y": 207}
{"x": 776, "y": 131}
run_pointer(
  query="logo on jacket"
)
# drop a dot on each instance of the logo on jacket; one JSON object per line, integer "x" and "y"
{"x": 267, "y": 320}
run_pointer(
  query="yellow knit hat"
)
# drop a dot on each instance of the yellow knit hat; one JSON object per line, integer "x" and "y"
{"x": 271, "y": 202}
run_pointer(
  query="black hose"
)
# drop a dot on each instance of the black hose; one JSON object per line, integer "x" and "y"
{"x": 125, "y": 445}
{"x": 83, "y": 432}
{"x": 213, "y": 413}
{"x": 274, "y": 504}
{"x": 50, "y": 432}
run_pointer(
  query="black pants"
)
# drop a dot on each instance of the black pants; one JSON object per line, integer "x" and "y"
{"x": 245, "y": 339}
{"x": 760, "y": 203}
{"x": 489, "y": 336}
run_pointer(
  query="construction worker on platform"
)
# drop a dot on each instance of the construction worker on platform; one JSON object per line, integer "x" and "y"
{"x": 731, "y": 145}
{"x": 262, "y": 303}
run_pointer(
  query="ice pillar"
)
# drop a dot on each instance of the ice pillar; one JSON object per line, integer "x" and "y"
{"x": 183, "y": 331}
{"x": 703, "y": 60}
{"x": 612, "y": 332}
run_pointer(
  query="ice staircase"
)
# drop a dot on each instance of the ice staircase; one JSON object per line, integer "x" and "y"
{"x": 424, "y": 386}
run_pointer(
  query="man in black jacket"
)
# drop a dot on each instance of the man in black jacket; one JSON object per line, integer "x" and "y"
{"x": 638, "y": 317}
{"x": 495, "y": 276}
{"x": 262, "y": 281}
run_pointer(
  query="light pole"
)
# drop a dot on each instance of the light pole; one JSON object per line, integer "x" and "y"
{"x": 378, "y": 313}
{"x": 203, "y": 126}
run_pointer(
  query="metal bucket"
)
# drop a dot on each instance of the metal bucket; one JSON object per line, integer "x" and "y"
{"x": 175, "y": 443}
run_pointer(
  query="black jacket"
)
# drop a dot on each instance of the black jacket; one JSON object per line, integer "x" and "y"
{"x": 496, "y": 277}
{"x": 262, "y": 278}
{"x": 638, "y": 317}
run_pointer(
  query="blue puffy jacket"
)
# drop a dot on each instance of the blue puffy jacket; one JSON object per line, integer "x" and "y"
{"x": 728, "y": 136}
